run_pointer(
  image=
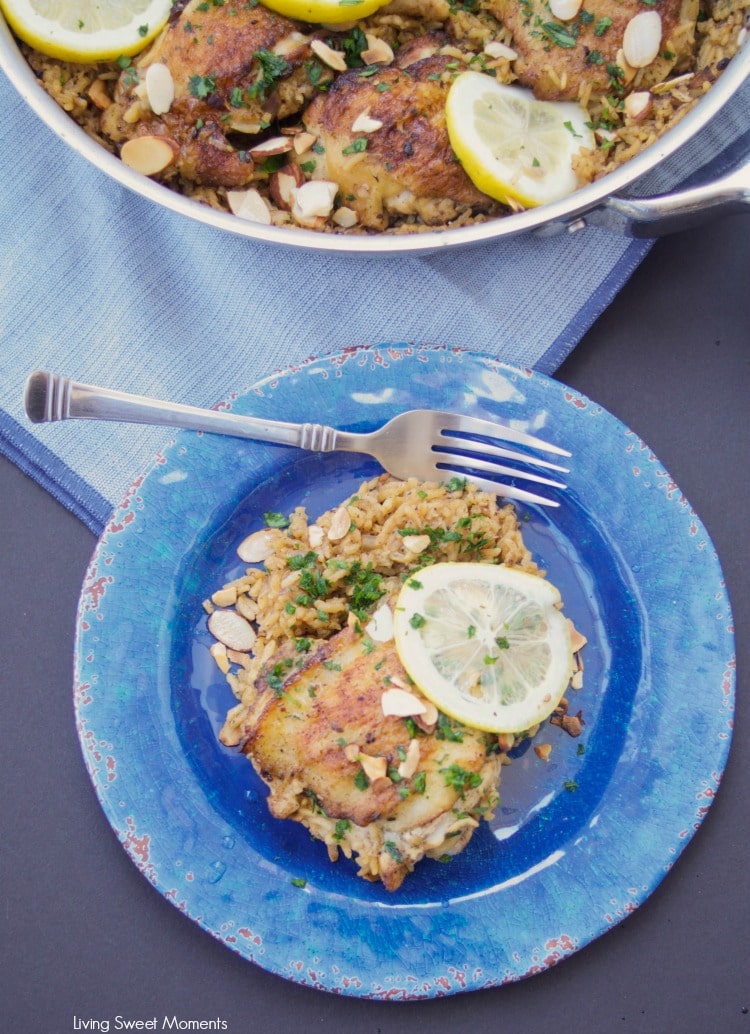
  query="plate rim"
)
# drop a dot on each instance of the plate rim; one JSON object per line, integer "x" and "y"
{"x": 451, "y": 980}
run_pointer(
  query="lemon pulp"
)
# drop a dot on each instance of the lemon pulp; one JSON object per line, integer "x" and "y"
{"x": 512, "y": 145}
{"x": 488, "y": 645}
{"x": 87, "y": 30}
{"x": 325, "y": 12}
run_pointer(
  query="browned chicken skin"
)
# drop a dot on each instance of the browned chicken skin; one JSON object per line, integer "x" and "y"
{"x": 556, "y": 58}
{"x": 312, "y": 723}
{"x": 234, "y": 68}
{"x": 406, "y": 164}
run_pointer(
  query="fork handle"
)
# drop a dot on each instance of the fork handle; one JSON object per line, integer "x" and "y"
{"x": 49, "y": 397}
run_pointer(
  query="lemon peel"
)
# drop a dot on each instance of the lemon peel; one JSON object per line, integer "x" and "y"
{"x": 325, "y": 12}
{"x": 513, "y": 146}
{"x": 87, "y": 30}
{"x": 489, "y": 645}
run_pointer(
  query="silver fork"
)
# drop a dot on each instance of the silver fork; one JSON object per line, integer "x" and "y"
{"x": 421, "y": 443}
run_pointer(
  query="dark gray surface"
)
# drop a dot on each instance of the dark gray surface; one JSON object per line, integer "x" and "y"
{"x": 87, "y": 938}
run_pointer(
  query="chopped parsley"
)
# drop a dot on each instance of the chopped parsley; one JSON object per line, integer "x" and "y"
{"x": 559, "y": 35}
{"x": 357, "y": 145}
{"x": 275, "y": 520}
{"x": 460, "y": 779}
{"x": 341, "y": 828}
{"x": 272, "y": 68}
{"x": 201, "y": 86}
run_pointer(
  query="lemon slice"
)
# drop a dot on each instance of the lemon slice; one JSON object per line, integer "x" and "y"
{"x": 87, "y": 30}
{"x": 488, "y": 645}
{"x": 511, "y": 145}
{"x": 325, "y": 12}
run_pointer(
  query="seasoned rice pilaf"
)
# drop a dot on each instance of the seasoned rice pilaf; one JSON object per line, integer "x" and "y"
{"x": 345, "y": 741}
{"x": 342, "y": 129}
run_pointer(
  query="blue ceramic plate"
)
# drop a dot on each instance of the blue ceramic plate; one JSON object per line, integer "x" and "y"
{"x": 578, "y": 842}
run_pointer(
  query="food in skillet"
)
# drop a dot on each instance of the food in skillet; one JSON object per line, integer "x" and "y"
{"x": 368, "y": 126}
{"x": 337, "y": 644}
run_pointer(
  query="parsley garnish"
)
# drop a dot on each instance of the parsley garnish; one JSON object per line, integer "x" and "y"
{"x": 357, "y": 145}
{"x": 201, "y": 86}
{"x": 558, "y": 35}
{"x": 275, "y": 520}
{"x": 460, "y": 779}
{"x": 272, "y": 68}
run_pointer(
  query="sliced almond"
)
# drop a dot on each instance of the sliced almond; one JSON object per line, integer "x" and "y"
{"x": 497, "y": 49}
{"x": 225, "y": 597}
{"x": 380, "y": 625}
{"x": 259, "y": 546}
{"x": 159, "y": 88}
{"x": 628, "y": 72}
{"x": 416, "y": 543}
{"x": 98, "y": 95}
{"x": 239, "y": 657}
{"x": 315, "y": 535}
{"x": 271, "y": 147}
{"x": 378, "y": 51}
{"x": 283, "y": 184}
{"x": 333, "y": 58}
{"x": 314, "y": 200}
{"x": 543, "y": 751}
{"x": 577, "y": 639}
{"x": 246, "y": 607}
{"x": 374, "y": 768}
{"x": 400, "y": 703}
{"x": 576, "y": 681}
{"x": 351, "y": 752}
{"x": 642, "y": 39}
{"x": 303, "y": 142}
{"x": 232, "y": 630}
{"x": 290, "y": 43}
{"x": 450, "y": 51}
{"x": 147, "y": 154}
{"x": 637, "y": 104}
{"x": 363, "y": 123}
{"x": 565, "y": 10}
{"x": 340, "y": 524}
{"x": 428, "y": 719}
{"x": 219, "y": 653}
{"x": 409, "y": 765}
{"x": 345, "y": 217}
{"x": 671, "y": 84}
{"x": 248, "y": 204}
{"x": 505, "y": 741}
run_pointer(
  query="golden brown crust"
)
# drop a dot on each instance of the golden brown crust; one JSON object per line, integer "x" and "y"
{"x": 212, "y": 55}
{"x": 557, "y": 72}
{"x": 408, "y": 163}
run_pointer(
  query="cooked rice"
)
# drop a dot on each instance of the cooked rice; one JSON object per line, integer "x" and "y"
{"x": 369, "y": 563}
{"x": 720, "y": 28}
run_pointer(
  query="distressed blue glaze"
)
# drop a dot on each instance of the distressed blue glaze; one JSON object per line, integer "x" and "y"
{"x": 557, "y": 867}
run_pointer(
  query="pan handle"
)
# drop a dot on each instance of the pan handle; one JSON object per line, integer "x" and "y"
{"x": 668, "y": 213}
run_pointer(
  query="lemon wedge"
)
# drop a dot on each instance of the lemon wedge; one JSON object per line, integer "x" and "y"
{"x": 87, "y": 30}
{"x": 325, "y": 12}
{"x": 488, "y": 645}
{"x": 512, "y": 145}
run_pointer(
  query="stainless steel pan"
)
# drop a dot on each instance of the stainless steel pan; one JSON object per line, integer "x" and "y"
{"x": 604, "y": 203}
